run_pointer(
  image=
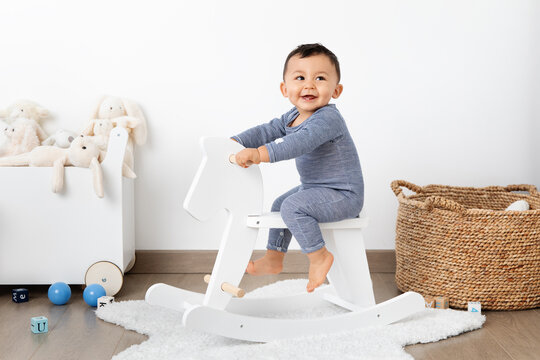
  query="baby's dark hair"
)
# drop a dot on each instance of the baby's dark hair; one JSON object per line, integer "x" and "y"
{"x": 307, "y": 50}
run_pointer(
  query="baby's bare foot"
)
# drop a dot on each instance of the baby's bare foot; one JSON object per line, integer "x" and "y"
{"x": 320, "y": 262}
{"x": 270, "y": 263}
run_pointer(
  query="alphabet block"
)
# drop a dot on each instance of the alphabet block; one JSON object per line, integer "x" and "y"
{"x": 475, "y": 307}
{"x": 39, "y": 324}
{"x": 430, "y": 302}
{"x": 441, "y": 302}
{"x": 19, "y": 295}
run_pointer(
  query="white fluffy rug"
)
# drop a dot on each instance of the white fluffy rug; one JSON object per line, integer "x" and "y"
{"x": 168, "y": 339}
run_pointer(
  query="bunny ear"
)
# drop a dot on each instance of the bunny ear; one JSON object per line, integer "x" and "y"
{"x": 89, "y": 129}
{"x": 95, "y": 113}
{"x": 139, "y": 132}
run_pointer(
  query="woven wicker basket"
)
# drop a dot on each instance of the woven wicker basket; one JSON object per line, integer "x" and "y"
{"x": 459, "y": 242}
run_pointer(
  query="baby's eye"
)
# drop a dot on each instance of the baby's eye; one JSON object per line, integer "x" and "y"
{"x": 299, "y": 78}
{"x": 320, "y": 78}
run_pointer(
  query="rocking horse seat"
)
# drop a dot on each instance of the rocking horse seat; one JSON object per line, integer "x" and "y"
{"x": 273, "y": 220}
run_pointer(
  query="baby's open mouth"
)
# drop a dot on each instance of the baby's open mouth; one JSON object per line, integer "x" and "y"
{"x": 308, "y": 97}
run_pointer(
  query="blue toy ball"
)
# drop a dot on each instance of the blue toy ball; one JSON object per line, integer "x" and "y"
{"x": 59, "y": 293}
{"x": 92, "y": 293}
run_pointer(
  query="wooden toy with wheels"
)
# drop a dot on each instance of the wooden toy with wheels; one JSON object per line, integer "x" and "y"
{"x": 106, "y": 274}
{"x": 72, "y": 236}
{"x": 220, "y": 184}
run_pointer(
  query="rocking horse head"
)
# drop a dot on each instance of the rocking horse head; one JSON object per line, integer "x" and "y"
{"x": 220, "y": 184}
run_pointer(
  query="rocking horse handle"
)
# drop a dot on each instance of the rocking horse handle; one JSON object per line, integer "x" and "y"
{"x": 232, "y": 160}
{"x": 231, "y": 289}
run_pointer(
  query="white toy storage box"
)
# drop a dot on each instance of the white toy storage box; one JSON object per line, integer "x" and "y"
{"x": 72, "y": 236}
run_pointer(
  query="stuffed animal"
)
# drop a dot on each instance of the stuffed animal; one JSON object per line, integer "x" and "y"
{"x": 23, "y": 136}
{"x": 82, "y": 152}
{"x": 28, "y": 110}
{"x": 101, "y": 128}
{"x": 125, "y": 113}
{"x": 122, "y": 112}
{"x": 62, "y": 138}
{"x": 24, "y": 109}
{"x": 26, "y": 117}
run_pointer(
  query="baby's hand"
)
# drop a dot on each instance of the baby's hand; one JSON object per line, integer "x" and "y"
{"x": 247, "y": 157}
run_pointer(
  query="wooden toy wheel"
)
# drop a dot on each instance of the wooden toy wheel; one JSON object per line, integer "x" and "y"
{"x": 106, "y": 274}
{"x": 131, "y": 264}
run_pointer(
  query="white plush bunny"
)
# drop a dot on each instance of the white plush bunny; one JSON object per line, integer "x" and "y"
{"x": 26, "y": 117}
{"x": 125, "y": 113}
{"x": 101, "y": 128}
{"x": 23, "y": 136}
{"x": 28, "y": 110}
{"x": 82, "y": 152}
{"x": 122, "y": 112}
{"x": 24, "y": 109}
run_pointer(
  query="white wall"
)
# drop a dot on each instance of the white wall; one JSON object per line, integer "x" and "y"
{"x": 435, "y": 91}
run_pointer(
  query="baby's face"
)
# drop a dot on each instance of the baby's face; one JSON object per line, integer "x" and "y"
{"x": 310, "y": 82}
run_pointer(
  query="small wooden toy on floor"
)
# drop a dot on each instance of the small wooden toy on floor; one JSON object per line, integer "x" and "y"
{"x": 441, "y": 302}
{"x": 430, "y": 302}
{"x": 475, "y": 307}
{"x": 39, "y": 324}
{"x": 104, "y": 301}
{"x": 19, "y": 295}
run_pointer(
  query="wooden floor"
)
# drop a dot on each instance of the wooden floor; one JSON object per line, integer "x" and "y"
{"x": 76, "y": 333}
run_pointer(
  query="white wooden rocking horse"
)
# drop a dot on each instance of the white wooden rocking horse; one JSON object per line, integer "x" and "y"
{"x": 221, "y": 184}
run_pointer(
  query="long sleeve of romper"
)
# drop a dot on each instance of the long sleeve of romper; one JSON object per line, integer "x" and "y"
{"x": 324, "y": 125}
{"x": 264, "y": 133}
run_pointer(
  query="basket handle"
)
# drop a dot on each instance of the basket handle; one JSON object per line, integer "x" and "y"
{"x": 522, "y": 187}
{"x": 444, "y": 203}
{"x": 397, "y": 184}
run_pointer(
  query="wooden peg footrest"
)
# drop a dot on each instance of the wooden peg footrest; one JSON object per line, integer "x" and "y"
{"x": 231, "y": 289}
